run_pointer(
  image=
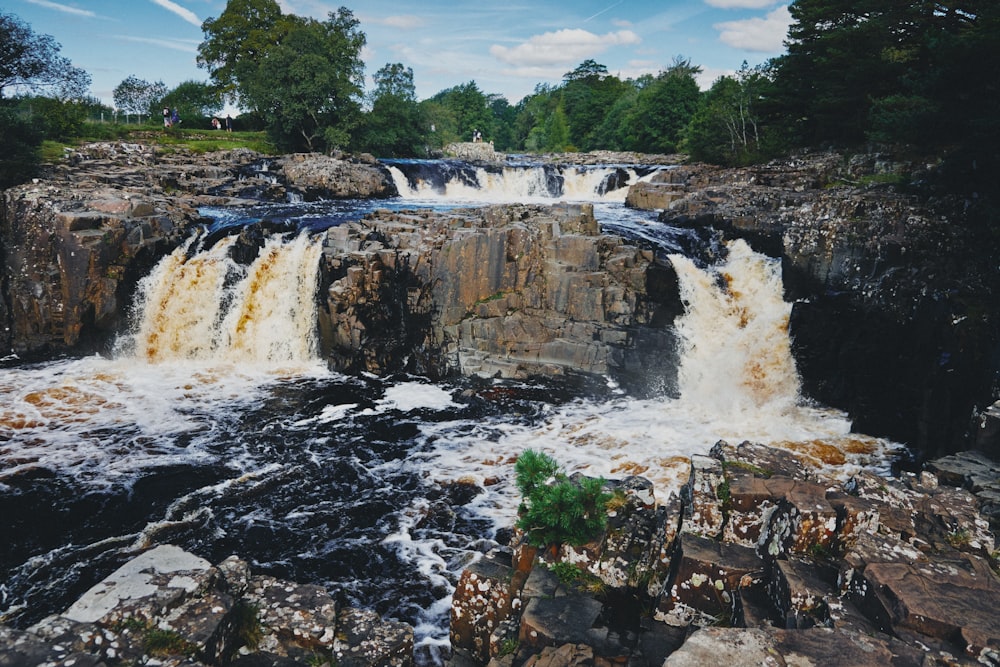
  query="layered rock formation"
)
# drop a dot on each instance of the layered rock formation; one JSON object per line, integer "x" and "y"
{"x": 508, "y": 290}
{"x": 894, "y": 321}
{"x": 765, "y": 558}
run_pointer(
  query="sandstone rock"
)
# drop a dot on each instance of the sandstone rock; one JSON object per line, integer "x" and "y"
{"x": 169, "y": 607}
{"x": 704, "y": 495}
{"x": 509, "y": 290}
{"x": 157, "y": 580}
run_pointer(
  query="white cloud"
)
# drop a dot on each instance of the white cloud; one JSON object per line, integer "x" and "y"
{"x": 402, "y": 21}
{"x": 740, "y": 4}
{"x": 561, "y": 47}
{"x": 185, "y": 14}
{"x": 187, "y": 46}
{"x": 63, "y": 8}
{"x": 765, "y": 35}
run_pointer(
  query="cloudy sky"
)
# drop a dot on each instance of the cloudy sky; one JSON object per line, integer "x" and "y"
{"x": 506, "y": 47}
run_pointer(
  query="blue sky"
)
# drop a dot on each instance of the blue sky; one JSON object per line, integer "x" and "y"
{"x": 506, "y": 47}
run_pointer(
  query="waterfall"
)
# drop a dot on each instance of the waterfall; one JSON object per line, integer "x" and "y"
{"x": 416, "y": 179}
{"x": 207, "y": 307}
{"x": 735, "y": 354}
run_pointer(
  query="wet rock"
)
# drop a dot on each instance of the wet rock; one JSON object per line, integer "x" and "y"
{"x": 487, "y": 592}
{"x": 169, "y": 607}
{"x": 509, "y": 290}
{"x": 365, "y": 640}
{"x": 868, "y": 570}
{"x": 321, "y": 176}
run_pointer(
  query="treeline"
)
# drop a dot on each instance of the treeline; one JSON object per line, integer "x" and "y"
{"x": 855, "y": 72}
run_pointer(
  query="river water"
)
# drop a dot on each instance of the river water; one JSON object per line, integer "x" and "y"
{"x": 215, "y": 426}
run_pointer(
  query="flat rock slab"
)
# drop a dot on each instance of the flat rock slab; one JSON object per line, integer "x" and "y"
{"x": 166, "y": 573}
{"x": 818, "y": 647}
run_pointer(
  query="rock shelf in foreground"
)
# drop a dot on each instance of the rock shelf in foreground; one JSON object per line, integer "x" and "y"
{"x": 763, "y": 560}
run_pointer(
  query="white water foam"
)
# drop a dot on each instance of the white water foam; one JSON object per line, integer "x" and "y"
{"x": 208, "y": 334}
{"x": 737, "y": 382}
{"x": 520, "y": 184}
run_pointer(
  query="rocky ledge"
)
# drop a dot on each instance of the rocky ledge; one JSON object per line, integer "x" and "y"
{"x": 169, "y": 607}
{"x": 895, "y": 317}
{"x": 764, "y": 559}
{"x": 73, "y": 245}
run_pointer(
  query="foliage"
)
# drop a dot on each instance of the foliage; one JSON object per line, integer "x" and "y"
{"x": 235, "y": 41}
{"x": 32, "y": 62}
{"x": 462, "y": 110}
{"x": 19, "y": 142}
{"x": 571, "y": 574}
{"x": 163, "y": 643}
{"x": 394, "y": 127}
{"x": 663, "y": 109}
{"x": 196, "y": 102}
{"x": 303, "y": 76}
{"x": 729, "y": 127}
{"x": 554, "y": 508}
{"x": 138, "y": 97}
{"x": 587, "y": 94}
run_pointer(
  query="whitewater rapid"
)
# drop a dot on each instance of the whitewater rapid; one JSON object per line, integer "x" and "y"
{"x": 217, "y": 426}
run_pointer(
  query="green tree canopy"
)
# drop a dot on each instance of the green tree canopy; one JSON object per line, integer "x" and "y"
{"x": 394, "y": 127}
{"x": 304, "y": 77}
{"x": 588, "y": 93}
{"x": 193, "y": 99}
{"x": 663, "y": 109}
{"x": 235, "y": 41}
{"x": 470, "y": 108}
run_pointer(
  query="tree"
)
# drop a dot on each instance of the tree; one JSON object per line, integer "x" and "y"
{"x": 308, "y": 86}
{"x": 729, "y": 127}
{"x": 33, "y": 62}
{"x": 235, "y": 41}
{"x": 19, "y": 142}
{"x": 663, "y": 108}
{"x": 588, "y": 94}
{"x": 394, "y": 127}
{"x": 470, "y": 108}
{"x": 137, "y": 96}
{"x": 194, "y": 100}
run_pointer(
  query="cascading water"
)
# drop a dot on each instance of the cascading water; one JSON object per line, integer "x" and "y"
{"x": 524, "y": 183}
{"x": 207, "y": 307}
{"x": 216, "y": 428}
{"x": 735, "y": 356}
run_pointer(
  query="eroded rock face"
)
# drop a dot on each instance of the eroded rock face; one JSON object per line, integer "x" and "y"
{"x": 509, "y": 290}
{"x": 74, "y": 244}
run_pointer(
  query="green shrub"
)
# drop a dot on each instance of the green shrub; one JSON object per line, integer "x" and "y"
{"x": 554, "y": 508}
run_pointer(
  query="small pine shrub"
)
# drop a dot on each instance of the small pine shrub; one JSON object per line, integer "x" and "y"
{"x": 554, "y": 508}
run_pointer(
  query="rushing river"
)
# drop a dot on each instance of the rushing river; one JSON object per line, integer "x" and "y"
{"x": 215, "y": 426}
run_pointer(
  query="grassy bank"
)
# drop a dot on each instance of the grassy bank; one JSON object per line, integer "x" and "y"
{"x": 169, "y": 139}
